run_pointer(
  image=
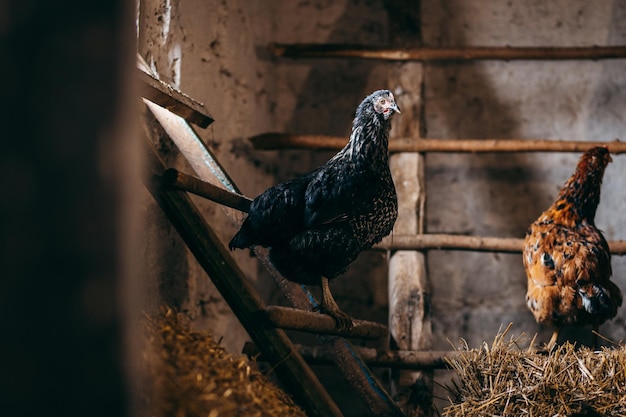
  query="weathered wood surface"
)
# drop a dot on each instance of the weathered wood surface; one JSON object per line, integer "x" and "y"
{"x": 430, "y": 54}
{"x": 175, "y": 101}
{"x": 177, "y": 180}
{"x": 471, "y": 243}
{"x": 409, "y": 288}
{"x": 313, "y": 322}
{"x": 203, "y": 163}
{"x": 278, "y": 141}
{"x": 384, "y": 358}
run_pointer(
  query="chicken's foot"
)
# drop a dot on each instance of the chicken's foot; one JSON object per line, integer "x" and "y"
{"x": 553, "y": 339}
{"x": 329, "y": 306}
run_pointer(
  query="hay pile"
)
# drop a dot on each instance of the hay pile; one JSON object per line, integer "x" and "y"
{"x": 189, "y": 374}
{"x": 506, "y": 380}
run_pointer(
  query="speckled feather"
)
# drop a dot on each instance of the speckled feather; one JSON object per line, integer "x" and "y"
{"x": 566, "y": 257}
{"x": 317, "y": 224}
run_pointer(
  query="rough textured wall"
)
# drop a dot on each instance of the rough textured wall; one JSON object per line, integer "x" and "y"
{"x": 500, "y": 195}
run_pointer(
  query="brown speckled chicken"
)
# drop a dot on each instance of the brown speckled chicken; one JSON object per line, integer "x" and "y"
{"x": 567, "y": 260}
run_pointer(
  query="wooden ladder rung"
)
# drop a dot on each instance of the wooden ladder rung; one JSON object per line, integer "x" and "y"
{"x": 177, "y": 180}
{"x": 180, "y": 181}
{"x": 383, "y": 358}
{"x": 312, "y": 322}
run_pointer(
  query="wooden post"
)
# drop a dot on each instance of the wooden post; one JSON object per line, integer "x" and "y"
{"x": 409, "y": 290}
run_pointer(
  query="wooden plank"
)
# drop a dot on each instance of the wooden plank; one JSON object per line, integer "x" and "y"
{"x": 175, "y": 101}
{"x": 383, "y": 358}
{"x": 279, "y": 141}
{"x": 432, "y": 54}
{"x": 240, "y": 295}
{"x": 201, "y": 160}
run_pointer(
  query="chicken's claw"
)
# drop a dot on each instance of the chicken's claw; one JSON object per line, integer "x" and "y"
{"x": 329, "y": 306}
{"x": 344, "y": 322}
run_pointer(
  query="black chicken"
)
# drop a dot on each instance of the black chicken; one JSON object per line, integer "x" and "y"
{"x": 317, "y": 224}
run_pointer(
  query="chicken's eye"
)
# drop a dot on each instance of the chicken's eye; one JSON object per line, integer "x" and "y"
{"x": 383, "y": 101}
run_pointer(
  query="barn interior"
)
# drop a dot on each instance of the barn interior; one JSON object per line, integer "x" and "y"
{"x": 82, "y": 271}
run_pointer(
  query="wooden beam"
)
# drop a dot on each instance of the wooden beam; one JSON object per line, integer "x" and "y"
{"x": 471, "y": 243}
{"x": 311, "y": 322}
{"x": 278, "y": 141}
{"x": 432, "y": 54}
{"x": 177, "y": 180}
{"x": 168, "y": 97}
{"x": 384, "y": 358}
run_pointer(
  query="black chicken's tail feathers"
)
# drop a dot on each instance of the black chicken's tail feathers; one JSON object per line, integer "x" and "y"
{"x": 239, "y": 241}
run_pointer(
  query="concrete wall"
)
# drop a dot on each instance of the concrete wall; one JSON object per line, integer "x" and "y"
{"x": 500, "y": 195}
{"x": 215, "y": 52}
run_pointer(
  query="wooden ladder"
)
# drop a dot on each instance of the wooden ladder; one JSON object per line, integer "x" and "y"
{"x": 167, "y": 115}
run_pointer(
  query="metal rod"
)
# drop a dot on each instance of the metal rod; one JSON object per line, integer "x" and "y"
{"x": 277, "y": 141}
{"x": 177, "y": 180}
{"x": 307, "y": 321}
{"x": 433, "y": 54}
{"x": 383, "y": 358}
{"x": 472, "y": 243}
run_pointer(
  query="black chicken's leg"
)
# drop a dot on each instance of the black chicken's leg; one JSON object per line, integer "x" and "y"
{"x": 329, "y": 306}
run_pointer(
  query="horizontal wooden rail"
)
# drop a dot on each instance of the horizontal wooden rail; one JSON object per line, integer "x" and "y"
{"x": 310, "y": 322}
{"x": 434, "y": 54}
{"x": 278, "y": 141}
{"x": 180, "y": 181}
{"x": 471, "y": 243}
{"x": 396, "y": 359}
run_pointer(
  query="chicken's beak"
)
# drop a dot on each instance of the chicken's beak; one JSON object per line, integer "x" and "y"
{"x": 395, "y": 108}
